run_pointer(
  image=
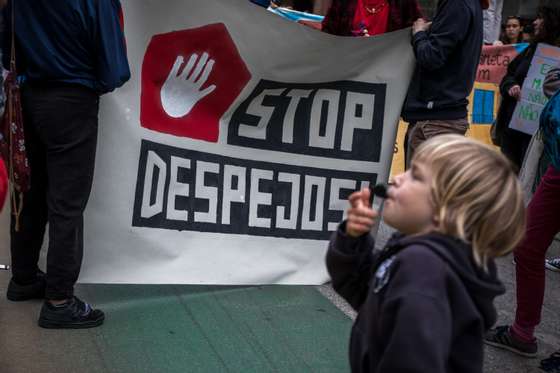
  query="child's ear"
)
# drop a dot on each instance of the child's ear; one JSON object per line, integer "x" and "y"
{"x": 435, "y": 219}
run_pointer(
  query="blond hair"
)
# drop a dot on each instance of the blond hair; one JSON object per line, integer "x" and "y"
{"x": 475, "y": 193}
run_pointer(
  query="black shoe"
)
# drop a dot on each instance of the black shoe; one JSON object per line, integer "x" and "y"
{"x": 502, "y": 337}
{"x": 552, "y": 363}
{"x": 74, "y": 314}
{"x": 35, "y": 290}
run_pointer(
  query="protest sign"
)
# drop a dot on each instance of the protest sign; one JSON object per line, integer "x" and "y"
{"x": 494, "y": 60}
{"x": 228, "y": 157}
{"x": 527, "y": 111}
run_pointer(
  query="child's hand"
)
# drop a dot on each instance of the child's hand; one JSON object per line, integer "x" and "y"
{"x": 515, "y": 92}
{"x": 360, "y": 214}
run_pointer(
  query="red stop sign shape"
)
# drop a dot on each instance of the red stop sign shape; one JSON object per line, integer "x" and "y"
{"x": 189, "y": 79}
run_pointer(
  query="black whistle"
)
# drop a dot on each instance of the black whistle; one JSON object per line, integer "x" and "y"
{"x": 380, "y": 190}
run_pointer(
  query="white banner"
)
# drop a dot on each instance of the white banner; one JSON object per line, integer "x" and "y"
{"x": 527, "y": 112}
{"x": 228, "y": 157}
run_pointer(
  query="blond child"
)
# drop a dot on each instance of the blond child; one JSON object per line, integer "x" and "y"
{"x": 425, "y": 300}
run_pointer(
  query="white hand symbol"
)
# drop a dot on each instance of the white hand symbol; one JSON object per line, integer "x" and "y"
{"x": 181, "y": 92}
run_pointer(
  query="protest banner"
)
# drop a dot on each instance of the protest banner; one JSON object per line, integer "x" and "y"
{"x": 228, "y": 157}
{"x": 307, "y": 19}
{"x": 494, "y": 60}
{"x": 294, "y": 15}
{"x": 527, "y": 111}
{"x": 484, "y": 100}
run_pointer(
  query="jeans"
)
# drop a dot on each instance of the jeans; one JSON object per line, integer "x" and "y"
{"x": 542, "y": 225}
{"x": 60, "y": 123}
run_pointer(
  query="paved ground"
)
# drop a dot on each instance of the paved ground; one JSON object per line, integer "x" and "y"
{"x": 219, "y": 329}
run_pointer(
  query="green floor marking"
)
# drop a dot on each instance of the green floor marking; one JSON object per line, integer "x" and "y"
{"x": 153, "y": 328}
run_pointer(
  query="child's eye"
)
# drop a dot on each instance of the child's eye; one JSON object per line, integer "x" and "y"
{"x": 416, "y": 176}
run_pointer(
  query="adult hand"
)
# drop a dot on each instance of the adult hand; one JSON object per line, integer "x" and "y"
{"x": 420, "y": 25}
{"x": 361, "y": 216}
{"x": 515, "y": 92}
{"x": 181, "y": 92}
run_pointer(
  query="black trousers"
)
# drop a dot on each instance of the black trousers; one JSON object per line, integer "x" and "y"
{"x": 61, "y": 137}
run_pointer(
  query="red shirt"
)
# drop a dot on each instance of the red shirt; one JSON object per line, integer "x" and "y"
{"x": 371, "y": 17}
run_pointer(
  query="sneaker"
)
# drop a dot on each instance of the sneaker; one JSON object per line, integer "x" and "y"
{"x": 501, "y": 337}
{"x": 35, "y": 290}
{"x": 74, "y": 314}
{"x": 552, "y": 363}
{"x": 553, "y": 264}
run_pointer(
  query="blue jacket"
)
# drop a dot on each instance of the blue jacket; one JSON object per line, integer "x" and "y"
{"x": 550, "y": 127}
{"x": 70, "y": 41}
{"x": 447, "y": 57}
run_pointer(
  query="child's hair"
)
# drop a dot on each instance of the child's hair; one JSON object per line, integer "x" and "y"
{"x": 475, "y": 194}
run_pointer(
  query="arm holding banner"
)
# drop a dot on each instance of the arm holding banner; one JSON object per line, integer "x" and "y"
{"x": 339, "y": 17}
{"x": 510, "y": 80}
{"x": 432, "y": 47}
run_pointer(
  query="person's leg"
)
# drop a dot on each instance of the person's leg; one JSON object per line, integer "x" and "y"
{"x": 424, "y": 130}
{"x": 70, "y": 135}
{"x": 26, "y": 242}
{"x": 414, "y": 137}
{"x": 542, "y": 226}
{"x": 405, "y": 143}
{"x": 445, "y": 127}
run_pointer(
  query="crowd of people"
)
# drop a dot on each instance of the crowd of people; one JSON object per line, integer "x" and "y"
{"x": 429, "y": 293}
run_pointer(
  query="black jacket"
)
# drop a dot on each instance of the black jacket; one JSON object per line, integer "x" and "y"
{"x": 517, "y": 71}
{"x": 447, "y": 57}
{"x": 424, "y": 308}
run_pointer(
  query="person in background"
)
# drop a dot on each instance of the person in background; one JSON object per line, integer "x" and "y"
{"x": 303, "y": 5}
{"x": 512, "y": 31}
{"x": 66, "y": 66}
{"x": 426, "y": 299}
{"x": 370, "y": 17}
{"x": 528, "y": 34}
{"x": 514, "y": 143}
{"x": 542, "y": 225}
{"x": 492, "y": 18}
{"x": 447, "y": 55}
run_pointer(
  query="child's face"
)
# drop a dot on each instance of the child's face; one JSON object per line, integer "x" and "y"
{"x": 408, "y": 207}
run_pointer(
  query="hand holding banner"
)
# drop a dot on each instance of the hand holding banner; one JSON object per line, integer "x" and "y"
{"x": 527, "y": 112}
